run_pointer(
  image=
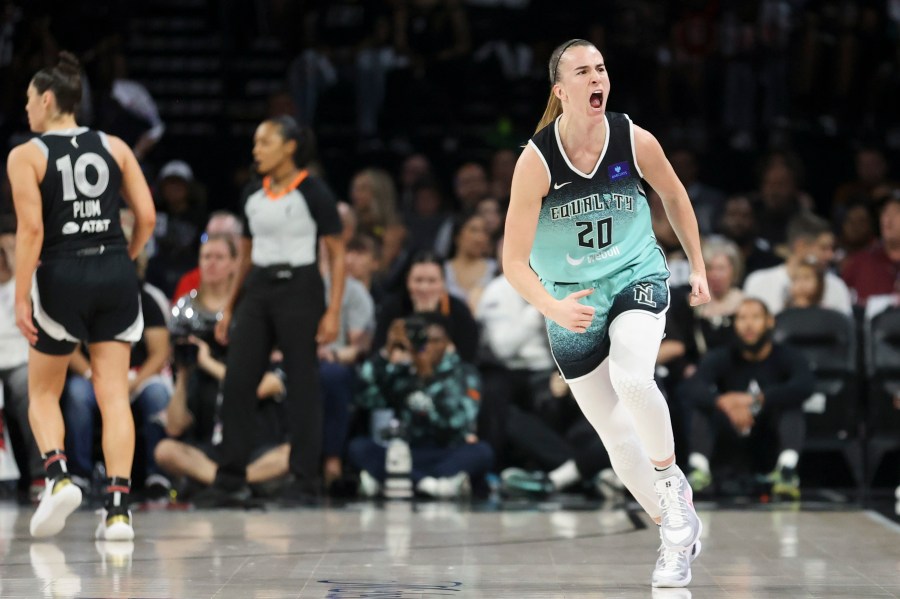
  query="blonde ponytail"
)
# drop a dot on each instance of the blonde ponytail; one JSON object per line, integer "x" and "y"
{"x": 553, "y": 110}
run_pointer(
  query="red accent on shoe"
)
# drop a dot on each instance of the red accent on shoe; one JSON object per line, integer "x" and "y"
{"x": 53, "y": 459}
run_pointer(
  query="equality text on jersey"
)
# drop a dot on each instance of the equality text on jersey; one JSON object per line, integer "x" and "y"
{"x": 592, "y": 203}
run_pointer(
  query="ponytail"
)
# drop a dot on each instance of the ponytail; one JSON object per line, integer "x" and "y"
{"x": 301, "y": 135}
{"x": 64, "y": 80}
{"x": 553, "y": 110}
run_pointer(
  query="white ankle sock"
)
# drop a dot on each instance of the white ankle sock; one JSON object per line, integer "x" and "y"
{"x": 666, "y": 471}
{"x": 565, "y": 475}
{"x": 698, "y": 461}
{"x": 788, "y": 459}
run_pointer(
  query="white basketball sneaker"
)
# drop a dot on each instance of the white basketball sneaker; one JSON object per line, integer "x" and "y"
{"x": 60, "y": 498}
{"x": 673, "y": 568}
{"x": 680, "y": 527}
{"x": 114, "y": 527}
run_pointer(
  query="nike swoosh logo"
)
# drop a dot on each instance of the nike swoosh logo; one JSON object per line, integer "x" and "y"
{"x": 559, "y": 185}
{"x": 573, "y": 261}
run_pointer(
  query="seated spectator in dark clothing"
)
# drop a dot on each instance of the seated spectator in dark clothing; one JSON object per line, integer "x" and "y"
{"x": 753, "y": 390}
{"x": 194, "y": 428}
{"x": 738, "y": 223}
{"x": 876, "y": 270}
{"x": 426, "y": 291}
{"x": 435, "y": 396}
{"x": 549, "y": 447}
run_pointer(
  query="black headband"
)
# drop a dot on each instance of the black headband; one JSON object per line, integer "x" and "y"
{"x": 559, "y": 57}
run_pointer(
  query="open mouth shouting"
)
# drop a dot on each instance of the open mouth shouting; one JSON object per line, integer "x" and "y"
{"x": 597, "y": 100}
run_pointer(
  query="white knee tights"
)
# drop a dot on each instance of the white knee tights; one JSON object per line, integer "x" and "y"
{"x": 621, "y": 401}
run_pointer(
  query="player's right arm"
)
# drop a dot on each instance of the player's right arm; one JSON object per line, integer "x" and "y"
{"x": 23, "y": 167}
{"x": 530, "y": 184}
{"x": 137, "y": 195}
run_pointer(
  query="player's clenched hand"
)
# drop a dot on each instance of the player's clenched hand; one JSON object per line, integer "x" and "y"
{"x": 699, "y": 288}
{"x": 571, "y": 314}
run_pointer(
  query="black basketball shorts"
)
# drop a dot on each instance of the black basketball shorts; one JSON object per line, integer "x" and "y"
{"x": 86, "y": 298}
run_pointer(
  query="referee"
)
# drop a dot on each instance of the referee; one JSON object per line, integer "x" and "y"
{"x": 279, "y": 301}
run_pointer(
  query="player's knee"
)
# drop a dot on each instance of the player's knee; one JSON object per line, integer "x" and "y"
{"x": 633, "y": 389}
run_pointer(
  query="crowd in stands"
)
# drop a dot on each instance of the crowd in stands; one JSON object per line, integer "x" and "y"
{"x": 433, "y": 336}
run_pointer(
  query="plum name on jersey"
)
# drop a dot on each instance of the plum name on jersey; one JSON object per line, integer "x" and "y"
{"x": 593, "y": 203}
{"x": 86, "y": 208}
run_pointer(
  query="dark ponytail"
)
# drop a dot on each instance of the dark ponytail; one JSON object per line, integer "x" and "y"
{"x": 64, "y": 80}
{"x": 303, "y": 136}
{"x": 554, "y": 105}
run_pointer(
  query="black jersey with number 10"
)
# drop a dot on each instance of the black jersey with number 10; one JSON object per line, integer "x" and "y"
{"x": 80, "y": 192}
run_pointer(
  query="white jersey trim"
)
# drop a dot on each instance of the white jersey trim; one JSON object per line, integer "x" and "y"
{"x": 67, "y": 132}
{"x": 50, "y": 326}
{"x": 566, "y": 158}
{"x": 104, "y": 139}
{"x": 40, "y": 143}
{"x": 633, "y": 148}
{"x": 133, "y": 333}
{"x": 544, "y": 160}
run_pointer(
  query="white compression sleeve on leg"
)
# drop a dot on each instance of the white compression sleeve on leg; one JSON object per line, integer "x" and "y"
{"x": 635, "y": 338}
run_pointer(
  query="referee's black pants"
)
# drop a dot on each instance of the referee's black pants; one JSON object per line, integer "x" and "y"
{"x": 283, "y": 313}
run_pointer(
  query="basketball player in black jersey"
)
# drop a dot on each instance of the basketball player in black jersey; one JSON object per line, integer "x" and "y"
{"x": 75, "y": 281}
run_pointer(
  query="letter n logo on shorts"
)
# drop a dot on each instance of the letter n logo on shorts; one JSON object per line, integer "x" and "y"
{"x": 643, "y": 294}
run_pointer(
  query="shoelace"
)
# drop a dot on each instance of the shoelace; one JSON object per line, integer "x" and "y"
{"x": 673, "y": 506}
{"x": 671, "y": 560}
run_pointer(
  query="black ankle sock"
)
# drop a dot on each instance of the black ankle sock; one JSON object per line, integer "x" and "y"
{"x": 118, "y": 491}
{"x": 55, "y": 464}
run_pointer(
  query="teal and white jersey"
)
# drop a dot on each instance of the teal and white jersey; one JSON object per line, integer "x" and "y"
{"x": 594, "y": 225}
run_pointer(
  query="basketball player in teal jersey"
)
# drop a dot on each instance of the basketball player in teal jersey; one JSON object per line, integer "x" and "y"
{"x": 580, "y": 247}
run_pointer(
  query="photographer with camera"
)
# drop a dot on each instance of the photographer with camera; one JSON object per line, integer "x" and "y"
{"x": 435, "y": 397}
{"x": 191, "y": 420}
{"x": 198, "y": 374}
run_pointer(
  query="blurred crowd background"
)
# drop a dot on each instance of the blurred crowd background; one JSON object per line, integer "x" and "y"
{"x": 780, "y": 117}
